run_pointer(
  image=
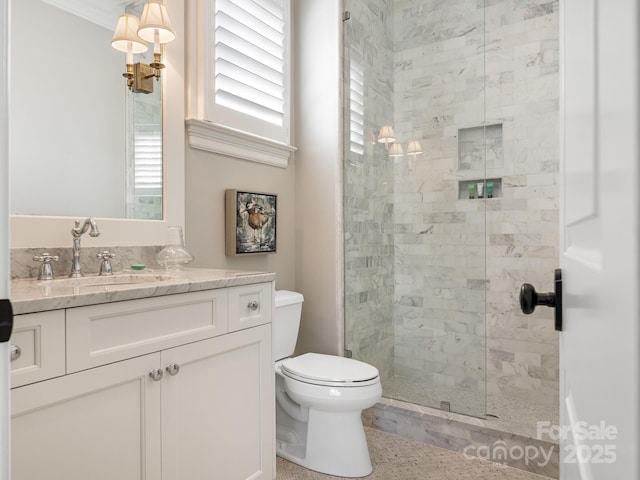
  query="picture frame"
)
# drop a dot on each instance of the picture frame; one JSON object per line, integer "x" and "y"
{"x": 250, "y": 222}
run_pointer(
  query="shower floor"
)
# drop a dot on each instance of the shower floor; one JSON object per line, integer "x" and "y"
{"x": 502, "y": 412}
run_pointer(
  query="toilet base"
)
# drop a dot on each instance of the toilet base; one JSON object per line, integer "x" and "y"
{"x": 336, "y": 444}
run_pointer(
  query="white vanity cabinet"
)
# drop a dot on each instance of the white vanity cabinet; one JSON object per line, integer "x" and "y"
{"x": 171, "y": 387}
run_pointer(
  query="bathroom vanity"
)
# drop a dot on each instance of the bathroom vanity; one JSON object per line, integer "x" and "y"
{"x": 165, "y": 377}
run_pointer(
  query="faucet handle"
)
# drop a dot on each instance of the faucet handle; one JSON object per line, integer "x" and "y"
{"x": 105, "y": 266}
{"x": 46, "y": 271}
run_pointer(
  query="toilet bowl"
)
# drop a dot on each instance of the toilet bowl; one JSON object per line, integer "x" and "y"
{"x": 319, "y": 401}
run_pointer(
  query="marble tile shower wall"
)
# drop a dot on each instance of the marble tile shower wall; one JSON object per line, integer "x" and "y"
{"x": 459, "y": 261}
{"x": 523, "y": 226}
{"x": 368, "y": 184}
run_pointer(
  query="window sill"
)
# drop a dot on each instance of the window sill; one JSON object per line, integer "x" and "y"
{"x": 214, "y": 138}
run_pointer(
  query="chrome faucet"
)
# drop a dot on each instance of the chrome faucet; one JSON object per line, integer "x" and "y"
{"x": 77, "y": 232}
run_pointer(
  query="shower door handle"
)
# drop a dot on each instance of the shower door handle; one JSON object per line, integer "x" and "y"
{"x": 529, "y": 299}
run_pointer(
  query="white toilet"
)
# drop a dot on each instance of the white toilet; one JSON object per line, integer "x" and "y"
{"x": 319, "y": 400}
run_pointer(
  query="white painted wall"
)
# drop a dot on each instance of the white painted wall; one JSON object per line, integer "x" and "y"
{"x": 318, "y": 136}
{"x": 207, "y": 177}
{"x": 309, "y": 257}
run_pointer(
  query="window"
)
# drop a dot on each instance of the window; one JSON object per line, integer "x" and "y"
{"x": 147, "y": 173}
{"x": 239, "y": 86}
{"x": 248, "y": 66}
{"x": 356, "y": 104}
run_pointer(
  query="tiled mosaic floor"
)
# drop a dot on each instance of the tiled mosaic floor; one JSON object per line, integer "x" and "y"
{"x": 397, "y": 458}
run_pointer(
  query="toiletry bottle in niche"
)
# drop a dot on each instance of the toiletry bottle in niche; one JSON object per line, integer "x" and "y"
{"x": 472, "y": 190}
{"x": 480, "y": 188}
{"x": 489, "y": 186}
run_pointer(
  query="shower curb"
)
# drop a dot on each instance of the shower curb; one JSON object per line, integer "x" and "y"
{"x": 472, "y": 436}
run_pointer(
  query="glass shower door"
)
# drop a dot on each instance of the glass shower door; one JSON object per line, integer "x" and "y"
{"x": 415, "y": 188}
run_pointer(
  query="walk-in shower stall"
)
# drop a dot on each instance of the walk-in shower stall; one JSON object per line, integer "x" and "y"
{"x": 451, "y": 200}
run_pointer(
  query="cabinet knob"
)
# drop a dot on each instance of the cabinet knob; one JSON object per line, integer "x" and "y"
{"x": 156, "y": 374}
{"x": 253, "y": 305}
{"x": 173, "y": 369}
{"x": 14, "y": 352}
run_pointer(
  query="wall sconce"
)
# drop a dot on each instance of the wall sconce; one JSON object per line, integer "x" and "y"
{"x": 155, "y": 27}
{"x": 413, "y": 150}
{"x": 125, "y": 39}
{"x": 386, "y": 135}
{"x": 396, "y": 151}
{"x": 130, "y": 35}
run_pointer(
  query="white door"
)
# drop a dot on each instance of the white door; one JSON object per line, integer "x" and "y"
{"x": 4, "y": 239}
{"x": 599, "y": 345}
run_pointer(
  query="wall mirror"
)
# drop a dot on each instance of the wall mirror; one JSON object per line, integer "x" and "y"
{"x": 82, "y": 144}
{"x": 77, "y": 133}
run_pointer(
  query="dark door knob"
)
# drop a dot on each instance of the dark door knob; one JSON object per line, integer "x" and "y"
{"x": 530, "y": 299}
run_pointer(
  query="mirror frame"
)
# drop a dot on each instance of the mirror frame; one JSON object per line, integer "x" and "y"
{"x": 32, "y": 231}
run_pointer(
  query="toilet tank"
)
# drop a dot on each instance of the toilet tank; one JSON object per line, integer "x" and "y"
{"x": 286, "y": 323}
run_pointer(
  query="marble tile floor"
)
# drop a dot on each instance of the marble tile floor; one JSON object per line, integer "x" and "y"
{"x": 398, "y": 458}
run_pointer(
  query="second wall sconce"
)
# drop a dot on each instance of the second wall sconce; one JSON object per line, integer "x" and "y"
{"x": 396, "y": 151}
{"x": 130, "y": 36}
{"x": 413, "y": 150}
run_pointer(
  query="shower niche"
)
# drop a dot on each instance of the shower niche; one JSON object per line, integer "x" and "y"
{"x": 480, "y": 188}
{"x": 480, "y": 150}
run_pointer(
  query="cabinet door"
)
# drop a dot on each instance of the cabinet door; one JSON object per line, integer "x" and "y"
{"x": 218, "y": 410}
{"x": 100, "y": 424}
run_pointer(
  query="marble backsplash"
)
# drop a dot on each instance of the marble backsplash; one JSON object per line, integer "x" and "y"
{"x": 23, "y": 265}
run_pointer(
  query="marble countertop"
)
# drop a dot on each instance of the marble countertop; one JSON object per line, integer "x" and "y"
{"x": 31, "y": 295}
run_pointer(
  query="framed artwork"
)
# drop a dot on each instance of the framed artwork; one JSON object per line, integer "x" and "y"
{"x": 250, "y": 222}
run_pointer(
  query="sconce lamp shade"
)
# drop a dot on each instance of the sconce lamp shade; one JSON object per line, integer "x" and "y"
{"x": 125, "y": 37}
{"x": 396, "y": 151}
{"x": 155, "y": 19}
{"x": 414, "y": 148}
{"x": 386, "y": 135}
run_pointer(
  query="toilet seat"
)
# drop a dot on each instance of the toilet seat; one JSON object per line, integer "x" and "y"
{"x": 329, "y": 370}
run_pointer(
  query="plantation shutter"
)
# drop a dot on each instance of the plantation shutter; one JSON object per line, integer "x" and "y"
{"x": 248, "y": 88}
{"x": 148, "y": 157}
{"x": 356, "y": 104}
{"x": 145, "y": 199}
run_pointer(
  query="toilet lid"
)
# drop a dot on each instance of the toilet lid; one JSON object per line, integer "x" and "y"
{"x": 329, "y": 370}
